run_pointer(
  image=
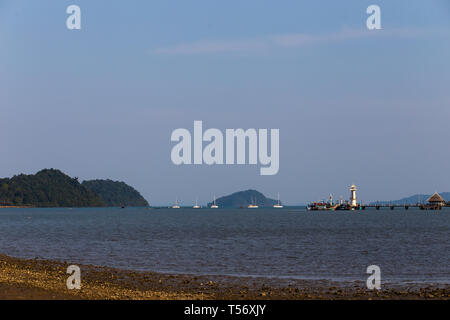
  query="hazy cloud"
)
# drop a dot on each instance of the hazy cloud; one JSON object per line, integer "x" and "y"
{"x": 292, "y": 40}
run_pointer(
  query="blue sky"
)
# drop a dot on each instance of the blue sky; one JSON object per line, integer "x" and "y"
{"x": 352, "y": 105}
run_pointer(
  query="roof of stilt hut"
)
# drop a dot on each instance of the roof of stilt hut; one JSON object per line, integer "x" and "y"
{"x": 436, "y": 197}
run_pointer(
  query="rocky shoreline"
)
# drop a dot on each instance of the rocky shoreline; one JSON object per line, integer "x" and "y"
{"x": 46, "y": 279}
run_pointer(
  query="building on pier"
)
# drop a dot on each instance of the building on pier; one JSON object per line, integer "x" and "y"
{"x": 435, "y": 202}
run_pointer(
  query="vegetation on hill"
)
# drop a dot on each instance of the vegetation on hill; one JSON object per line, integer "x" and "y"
{"x": 116, "y": 193}
{"x": 47, "y": 188}
{"x": 243, "y": 199}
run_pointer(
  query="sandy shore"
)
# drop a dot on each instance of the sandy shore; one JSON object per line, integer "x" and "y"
{"x": 44, "y": 279}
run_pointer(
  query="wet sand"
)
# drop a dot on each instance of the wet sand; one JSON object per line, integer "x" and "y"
{"x": 45, "y": 279}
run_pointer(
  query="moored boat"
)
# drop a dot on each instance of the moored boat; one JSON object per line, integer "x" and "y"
{"x": 176, "y": 206}
{"x": 196, "y": 206}
{"x": 253, "y": 205}
{"x": 278, "y": 205}
{"x": 214, "y": 205}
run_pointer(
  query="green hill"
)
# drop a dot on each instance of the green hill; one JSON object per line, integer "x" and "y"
{"x": 243, "y": 199}
{"x": 47, "y": 188}
{"x": 116, "y": 193}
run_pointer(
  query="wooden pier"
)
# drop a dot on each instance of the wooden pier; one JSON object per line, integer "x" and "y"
{"x": 435, "y": 202}
{"x": 421, "y": 206}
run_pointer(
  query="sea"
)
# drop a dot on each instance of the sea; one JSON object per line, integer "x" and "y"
{"x": 409, "y": 246}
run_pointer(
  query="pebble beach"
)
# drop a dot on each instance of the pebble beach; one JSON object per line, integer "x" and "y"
{"x": 46, "y": 280}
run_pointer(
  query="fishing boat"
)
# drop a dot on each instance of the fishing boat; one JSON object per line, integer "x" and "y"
{"x": 278, "y": 205}
{"x": 323, "y": 206}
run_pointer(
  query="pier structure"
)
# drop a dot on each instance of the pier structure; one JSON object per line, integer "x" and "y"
{"x": 435, "y": 202}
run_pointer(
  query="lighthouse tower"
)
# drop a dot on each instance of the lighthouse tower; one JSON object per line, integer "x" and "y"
{"x": 353, "y": 196}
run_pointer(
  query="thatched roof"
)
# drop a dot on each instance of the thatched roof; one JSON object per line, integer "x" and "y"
{"x": 435, "y": 198}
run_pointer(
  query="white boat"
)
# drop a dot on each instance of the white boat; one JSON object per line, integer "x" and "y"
{"x": 253, "y": 205}
{"x": 214, "y": 205}
{"x": 176, "y": 206}
{"x": 196, "y": 205}
{"x": 278, "y": 205}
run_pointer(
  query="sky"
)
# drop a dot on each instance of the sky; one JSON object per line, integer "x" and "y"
{"x": 370, "y": 107}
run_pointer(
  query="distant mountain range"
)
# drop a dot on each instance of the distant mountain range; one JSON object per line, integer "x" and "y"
{"x": 53, "y": 188}
{"x": 243, "y": 199}
{"x": 414, "y": 199}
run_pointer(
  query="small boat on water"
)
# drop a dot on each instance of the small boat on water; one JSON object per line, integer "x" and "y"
{"x": 176, "y": 206}
{"x": 196, "y": 205}
{"x": 253, "y": 205}
{"x": 278, "y": 205}
{"x": 214, "y": 205}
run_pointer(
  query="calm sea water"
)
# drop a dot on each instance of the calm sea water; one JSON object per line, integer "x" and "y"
{"x": 408, "y": 245}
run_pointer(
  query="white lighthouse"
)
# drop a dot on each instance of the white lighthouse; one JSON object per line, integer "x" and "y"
{"x": 353, "y": 196}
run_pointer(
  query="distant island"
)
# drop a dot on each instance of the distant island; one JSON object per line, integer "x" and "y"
{"x": 116, "y": 193}
{"x": 242, "y": 199}
{"x": 53, "y": 188}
